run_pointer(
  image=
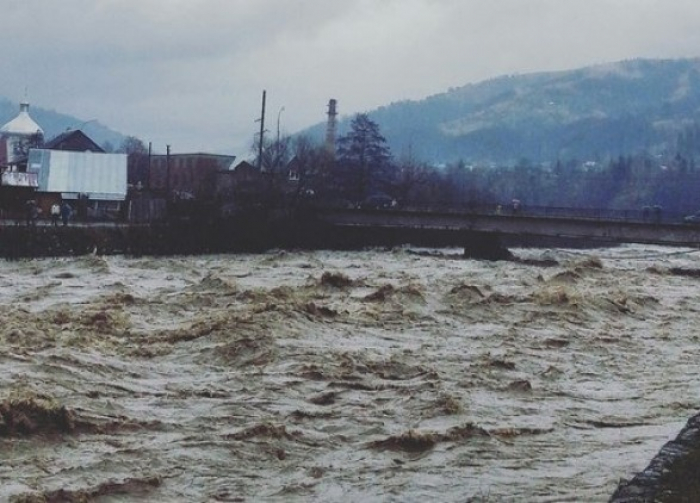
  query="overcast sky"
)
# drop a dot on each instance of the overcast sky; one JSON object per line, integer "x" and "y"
{"x": 190, "y": 73}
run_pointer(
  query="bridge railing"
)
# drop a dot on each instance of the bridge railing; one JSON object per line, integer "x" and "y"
{"x": 641, "y": 215}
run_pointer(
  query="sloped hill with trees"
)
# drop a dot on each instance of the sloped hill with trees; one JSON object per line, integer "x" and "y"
{"x": 54, "y": 123}
{"x": 593, "y": 113}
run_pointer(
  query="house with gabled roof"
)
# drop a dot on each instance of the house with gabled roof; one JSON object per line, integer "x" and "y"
{"x": 74, "y": 140}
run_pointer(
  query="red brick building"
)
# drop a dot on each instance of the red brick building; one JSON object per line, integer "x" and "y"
{"x": 187, "y": 176}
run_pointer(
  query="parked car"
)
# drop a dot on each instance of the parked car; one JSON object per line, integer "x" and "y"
{"x": 378, "y": 202}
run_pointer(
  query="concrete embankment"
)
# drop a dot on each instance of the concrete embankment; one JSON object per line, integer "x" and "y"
{"x": 672, "y": 476}
{"x": 182, "y": 237}
{"x": 23, "y": 241}
{"x": 248, "y": 234}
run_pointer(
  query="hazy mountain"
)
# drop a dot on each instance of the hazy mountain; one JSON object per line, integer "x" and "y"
{"x": 594, "y": 112}
{"x": 54, "y": 123}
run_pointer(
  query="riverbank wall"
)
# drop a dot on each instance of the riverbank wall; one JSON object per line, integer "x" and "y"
{"x": 672, "y": 476}
{"x": 173, "y": 238}
{"x": 226, "y": 236}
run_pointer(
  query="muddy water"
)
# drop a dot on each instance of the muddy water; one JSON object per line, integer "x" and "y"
{"x": 325, "y": 376}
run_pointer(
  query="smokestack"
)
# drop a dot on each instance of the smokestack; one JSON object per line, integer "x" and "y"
{"x": 330, "y": 128}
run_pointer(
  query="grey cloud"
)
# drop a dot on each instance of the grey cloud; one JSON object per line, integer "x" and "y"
{"x": 190, "y": 72}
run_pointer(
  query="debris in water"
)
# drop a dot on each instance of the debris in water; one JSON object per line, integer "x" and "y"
{"x": 335, "y": 280}
{"x": 447, "y": 404}
{"x": 324, "y": 398}
{"x": 263, "y": 430}
{"x": 554, "y": 296}
{"x": 501, "y": 364}
{"x": 537, "y": 262}
{"x": 299, "y": 415}
{"x": 384, "y": 292}
{"x": 411, "y": 441}
{"x": 415, "y": 442}
{"x": 316, "y": 472}
{"x": 517, "y": 432}
{"x": 34, "y": 416}
{"x": 471, "y": 292}
{"x": 133, "y": 487}
{"x": 320, "y": 311}
{"x": 248, "y": 351}
{"x": 691, "y": 273}
{"x": 590, "y": 263}
{"x": 556, "y": 343}
{"x": 468, "y": 430}
{"x": 520, "y": 385}
{"x": 566, "y": 277}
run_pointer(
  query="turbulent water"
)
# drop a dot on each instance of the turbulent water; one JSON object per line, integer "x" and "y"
{"x": 402, "y": 375}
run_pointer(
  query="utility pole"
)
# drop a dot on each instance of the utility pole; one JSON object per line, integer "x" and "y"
{"x": 262, "y": 131}
{"x": 148, "y": 174}
{"x": 167, "y": 172}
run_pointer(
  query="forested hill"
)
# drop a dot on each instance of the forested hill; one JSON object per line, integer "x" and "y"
{"x": 591, "y": 113}
{"x": 54, "y": 123}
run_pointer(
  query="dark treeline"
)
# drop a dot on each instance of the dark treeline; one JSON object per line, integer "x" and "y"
{"x": 364, "y": 172}
{"x": 625, "y": 183}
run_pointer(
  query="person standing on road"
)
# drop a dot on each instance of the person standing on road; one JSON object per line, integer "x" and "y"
{"x": 55, "y": 213}
{"x": 32, "y": 210}
{"x": 65, "y": 212}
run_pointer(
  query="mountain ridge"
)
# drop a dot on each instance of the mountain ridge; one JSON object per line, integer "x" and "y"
{"x": 54, "y": 123}
{"x": 598, "y": 111}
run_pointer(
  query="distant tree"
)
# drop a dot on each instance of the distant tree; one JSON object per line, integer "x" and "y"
{"x": 365, "y": 154}
{"x": 292, "y": 170}
{"x": 132, "y": 145}
{"x": 275, "y": 155}
{"x": 311, "y": 165}
{"x": 409, "y": 181}
{"x": 137, "y": 161}
{"x": 108, "y": 147}
{"x": 364, "y": 143}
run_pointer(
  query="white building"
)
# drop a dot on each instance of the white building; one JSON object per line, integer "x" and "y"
{"x": 17, "y": 137}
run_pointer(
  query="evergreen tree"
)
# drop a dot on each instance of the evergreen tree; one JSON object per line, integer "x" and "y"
{"x": 364, "y": 155}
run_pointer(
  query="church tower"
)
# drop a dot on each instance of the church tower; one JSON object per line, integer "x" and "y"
{"x": 17, "y": 137}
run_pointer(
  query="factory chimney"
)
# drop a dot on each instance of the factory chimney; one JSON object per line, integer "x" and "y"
{"x": 330, "y": 128}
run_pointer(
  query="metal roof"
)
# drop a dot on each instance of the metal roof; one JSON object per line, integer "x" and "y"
{"x": 100, "y": 176}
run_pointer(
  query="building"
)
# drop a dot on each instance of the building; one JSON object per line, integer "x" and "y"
{"x": 240, "y": 187}
{"x": 16, "y": 138}
{"x": 16, "y": 185}
{"x": 187, "y": 176}
{"x": 74, "y": 140}
{"x": 173, "y": 185}
{"x": 70, "y": 167}
{"x": 93, "y": 182}
{"x": 245, "y": 186}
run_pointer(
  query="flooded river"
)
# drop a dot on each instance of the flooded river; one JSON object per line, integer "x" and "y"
{"x": 380, "y": 375}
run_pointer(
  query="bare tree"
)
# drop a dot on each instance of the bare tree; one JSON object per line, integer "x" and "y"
{"x": 132, "y": 145}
